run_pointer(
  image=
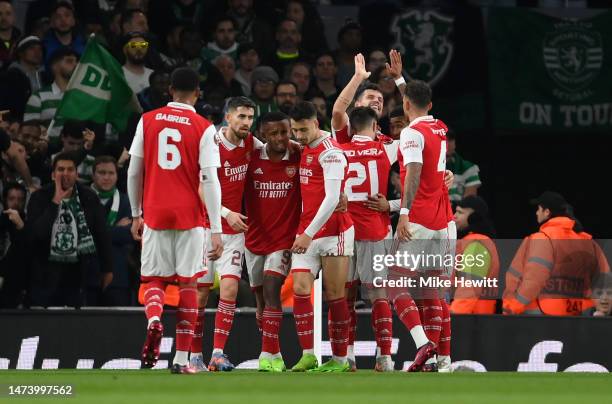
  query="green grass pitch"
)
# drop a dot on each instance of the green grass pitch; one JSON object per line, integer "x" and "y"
{"x": 250, "y": 387}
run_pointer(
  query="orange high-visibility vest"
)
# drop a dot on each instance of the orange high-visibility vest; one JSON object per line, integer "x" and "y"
{"x": 477, "y": 300}
{"x": 552, "y": 271}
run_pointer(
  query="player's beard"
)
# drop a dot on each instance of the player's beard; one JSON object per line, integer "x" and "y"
{"x": 241, "y": 132}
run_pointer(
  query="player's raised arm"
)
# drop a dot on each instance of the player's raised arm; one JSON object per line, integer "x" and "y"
{"x": 395, "y": 69}
{"x": 135, "y": 181}
{"x": 345, "y": 99}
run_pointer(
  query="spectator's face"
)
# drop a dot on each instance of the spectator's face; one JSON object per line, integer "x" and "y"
{"x": 29, "y": 136}
{"x": 286, "y": 97}
{"x": 191, "y": 45}
{"x": 15, "y": 199}
{"x": 240, "y": 7}
{"x": 135, "y": 50}
{"x": 33, "y": 54}
{"x": 264, "y": 89}
{"x": 305, "y": 130}
{"x": 295, "y": 12}
{"x": 397, "y": 123}
{"x": 320, "y": 105}
{"x": 240, "y": 121}
{"x": 351, "y": 40}
{"x": 66, "y": 66}
{"x": 373, "y": 99}
{"x": 375, "y": 60}
{"x": 542, "y": 214}
{"x": 325, "y": 68}
{"x": 276, "y": 134}
{"x": 249, "y": 60}
{"x": 225, "y": 34}
{"x": 138, "y": 23}
{"x": 301, "y": 77}
{"x": 160, "y": 85}
{"x": 72, "y": 144}
{"x": 450, "y": 147}
{"x": 288, "y": 35}
{"x": 66, "y": 171}
{"x": 105, "y": 176}
{"x": 461, "y": 217}
{"x": 7, "y": 17}
{"x": 227, "y": 68}
{"x": 62, "y": 20}
{"x": 603, "y": 300}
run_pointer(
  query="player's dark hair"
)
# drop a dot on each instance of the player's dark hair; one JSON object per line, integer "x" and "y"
{"x": 104, "y": 160}
{"x": 274, "y": 116}
{"x": 418, "y": 93}
{"x": 361, "y": 118}
{"x": 73, "y": 129}
{"x": 397, "y": 112}
{"x": 185, "y": 79}
{"x": 66, "y": 156}
{"x": 303, "y": 110}
{"x": 366, "y": 86}
{"x": 236, "y": 102}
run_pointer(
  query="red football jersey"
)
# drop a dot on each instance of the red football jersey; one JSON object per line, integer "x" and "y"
{"x": 312, "y": 186}
{"x": 424, "y": 141}
{"x": 369, "y": 163}
{"x": 175, "y": 143}
{"x": 272, "y": 201}
{"x": 232, "y": 173}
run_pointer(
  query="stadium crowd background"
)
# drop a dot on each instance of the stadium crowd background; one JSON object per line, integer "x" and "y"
{"x": 275, "y": 52}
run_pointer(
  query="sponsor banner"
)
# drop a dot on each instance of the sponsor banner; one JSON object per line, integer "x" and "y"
{"x": 550, "y": 71}
{"x": 112, "y": 339}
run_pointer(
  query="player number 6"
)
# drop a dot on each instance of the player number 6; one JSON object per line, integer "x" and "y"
{"x": 168, "y": 155}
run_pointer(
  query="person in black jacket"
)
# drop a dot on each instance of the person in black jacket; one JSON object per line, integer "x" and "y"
{"x": 66, "y": 228}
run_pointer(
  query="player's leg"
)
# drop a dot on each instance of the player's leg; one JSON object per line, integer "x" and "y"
{"x": 352, "y": 287}
{"x": 204, "y": 283}
{"x": 444, "y": 348}
{"x": 304, "y": 268}
{"x": 188, "y": 262}
{"x": 157, "y": 267}
{"x": 229, "y": 267}
{"x": 277, "y": 266}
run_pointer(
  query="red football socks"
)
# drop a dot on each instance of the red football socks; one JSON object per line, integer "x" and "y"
{"x": 271, "y": 321}
{"x": 304, "y": 320}
{"x": 224, "y": 319}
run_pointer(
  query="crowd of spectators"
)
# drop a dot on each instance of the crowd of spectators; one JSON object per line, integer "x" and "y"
{"x": 59, "y": 248}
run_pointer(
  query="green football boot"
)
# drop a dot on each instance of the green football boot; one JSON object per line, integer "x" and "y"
{"x": 265, "y": 365}
{"x": 278, "y": 365}
{"x": 331, "y": 366}
{"x": 306, "y": 363}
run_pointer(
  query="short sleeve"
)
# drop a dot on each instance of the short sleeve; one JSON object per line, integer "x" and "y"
{"x": 209, "y": 149}
{"x": 333, "y": 163}
{"x": 411, "y": 146}
{"x": 391, "y": 149}
{"x": 342, "y": 135}
{"x": 137, "y": 148}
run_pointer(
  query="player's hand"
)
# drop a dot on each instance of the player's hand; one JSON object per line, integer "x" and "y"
{"x": 395, "y": 68}
{"x": 360, "y": 68}
{"x": 89, "y": 136}
{"x": 342, "y": 205}
{"x": 15, "y": 218}
{"x": 137, "y": 227}
{"x": 235, "y": 220}
{"x": 301, "y": 244}
{"x": 402, "y": 232}
{"x": 126, "y": 221}
{"x": 449, "y": 177}
{"x": 217, "y": 247}
{"x": 378, "y": 203}
{"x": 60, "y": 193}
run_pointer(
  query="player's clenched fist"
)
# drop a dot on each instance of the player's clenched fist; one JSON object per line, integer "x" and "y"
{"x": 301, "y": 244}
{"x": 217, "y": 246}
{"x": 137, "y": 227}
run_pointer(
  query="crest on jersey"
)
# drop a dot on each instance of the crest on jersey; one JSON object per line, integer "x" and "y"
{"x": 424, "y": 39}
{"x": 573, "y": 55}
{"x": 308, "y": 159}
{"x": 290, "y": 171}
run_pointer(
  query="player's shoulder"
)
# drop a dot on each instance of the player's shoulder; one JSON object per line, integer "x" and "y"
{"x": 410, "y": 132}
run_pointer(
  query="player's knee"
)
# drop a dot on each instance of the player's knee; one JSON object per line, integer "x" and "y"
{"x": 203, "y": 293}
{"x": 229, "y": 289}
{"x": 302, "y": 285}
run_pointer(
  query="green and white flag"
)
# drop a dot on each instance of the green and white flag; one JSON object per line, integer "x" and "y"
{"x": 97, "y": 90}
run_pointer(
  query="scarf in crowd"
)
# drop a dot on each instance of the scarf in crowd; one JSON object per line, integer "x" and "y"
{"x": 104, "y": 196}
{"x": 70, "y": 236}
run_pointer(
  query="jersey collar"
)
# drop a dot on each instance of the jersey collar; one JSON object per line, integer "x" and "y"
{"x": 419, "y": 119}
{"x": 180, "y": 105}
{"x": 228, "y": 145}
{"x": 362, "y": 138}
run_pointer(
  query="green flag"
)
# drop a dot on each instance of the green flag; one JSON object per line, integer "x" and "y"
{"x": 97, "y": 90}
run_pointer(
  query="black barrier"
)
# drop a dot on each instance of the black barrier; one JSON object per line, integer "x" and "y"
{"x": 112, "y": 339}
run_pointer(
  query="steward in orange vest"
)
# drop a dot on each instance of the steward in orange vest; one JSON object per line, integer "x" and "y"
{"x": 553, "y": 270}
{"x": 475, "y": 232}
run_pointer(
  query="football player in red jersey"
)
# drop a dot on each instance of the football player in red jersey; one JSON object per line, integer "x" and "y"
{"x": 324, "y": 239}
{"x": 236, "y": 146}
{"x": 426, "y": 219}
{"x": 175, "y": 147}
{"x": 272, "y": 201}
